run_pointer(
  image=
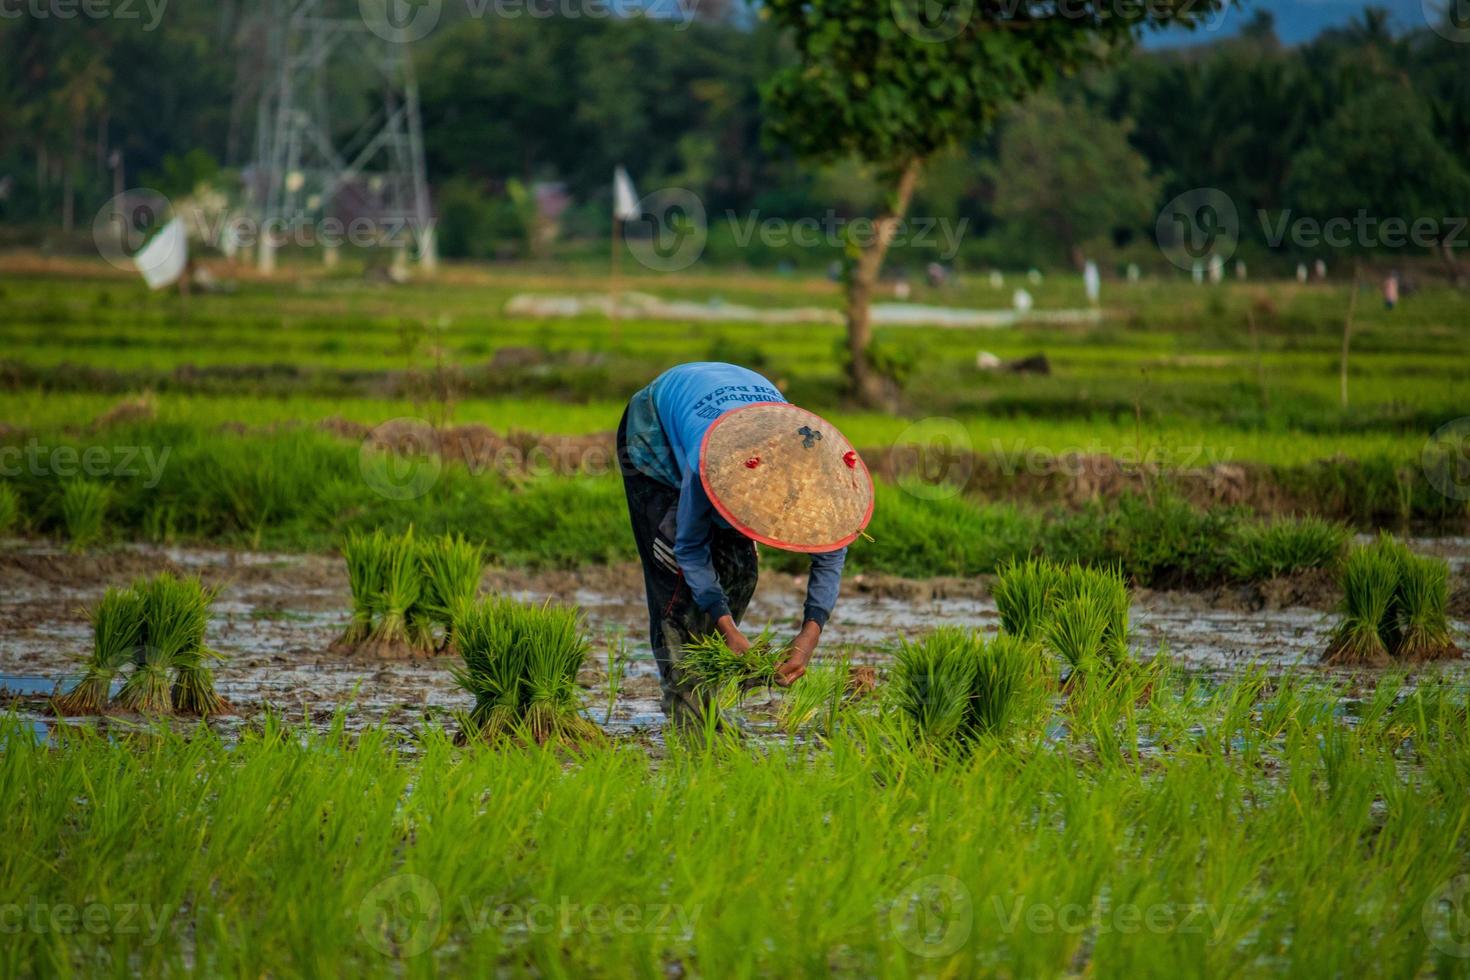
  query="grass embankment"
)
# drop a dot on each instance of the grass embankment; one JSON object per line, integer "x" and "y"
{"x": 305, "y": 491}
{"x": 1278, "y": 839}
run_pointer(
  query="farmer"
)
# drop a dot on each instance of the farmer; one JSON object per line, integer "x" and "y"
{"x": 714, "y": 460}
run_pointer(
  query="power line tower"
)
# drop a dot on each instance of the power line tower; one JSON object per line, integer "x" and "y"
{"x": 339, "y": 149}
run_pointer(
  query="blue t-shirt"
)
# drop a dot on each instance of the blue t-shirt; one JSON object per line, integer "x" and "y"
{"x": 666, "y": 426}
{"x": 691, "y": 396}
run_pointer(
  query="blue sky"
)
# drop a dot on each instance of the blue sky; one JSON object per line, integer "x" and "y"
{"x": 1301, "y": 20}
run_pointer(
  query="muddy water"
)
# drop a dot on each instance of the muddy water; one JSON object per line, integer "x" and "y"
{"x": 276, "y": 616}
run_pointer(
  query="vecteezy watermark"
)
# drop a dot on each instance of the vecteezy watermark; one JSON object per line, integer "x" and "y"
{"x": 836, "y": 231}
{"x": 673, "y": 230}
{"x": 935, "y": 457}
{"x": 152, "y": 10}
{"x": 1098, "y": 918}
{"x": 565, "y": 917}
{"x": 405, "y": 21}
{"x": 1446, "y": 917}
{"x": 125, "y": 223}
{"x": 38, "y": 459}
{"x": 938, "y": 21}
{"x": 93, "y": 918}
{"x": 1450, "y": 19}
{"x": 1204, "y": 224}
{"x": 400, "y": 458}
{"x": 672, "y": 233}
{"x": 1362, "y": 230}
{"x": 1197, "y": 225}
{"x": 403, "y": 915}
{"x": 400, "y": 915}
{"x": 1446, "y": 459}
{"x": 933, "y": 916}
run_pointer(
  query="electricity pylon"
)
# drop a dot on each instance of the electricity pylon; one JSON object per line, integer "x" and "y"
{"x": 308, "y": 157}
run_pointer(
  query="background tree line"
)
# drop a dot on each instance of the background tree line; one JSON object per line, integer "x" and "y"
{"x": 1361, "y": 118}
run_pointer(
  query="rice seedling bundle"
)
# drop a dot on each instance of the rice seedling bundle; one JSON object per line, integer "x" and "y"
{"x": 364, "y": 575}
{"x": 955, "y": 685}
{"x": 452, "y": 566}
{"x": 715, "y": 667}
{"x": 1423, "y": 631}
{"x": 83, "y": 511}
{"x": 1077, "y": 632}
{"x": 117, "y": 626}
{"x": 403, "y": 588}
{"x": 170, "y": 671}
{"x": 1024, "y": 593}
{"x": 1030, "y": 596}
{"x": 1369, "y": 583}
{"x": 9, "y": 507}
{"x": 521, "y": 662}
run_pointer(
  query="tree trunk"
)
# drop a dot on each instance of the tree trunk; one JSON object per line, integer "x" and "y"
{"x": 867, "y": 384}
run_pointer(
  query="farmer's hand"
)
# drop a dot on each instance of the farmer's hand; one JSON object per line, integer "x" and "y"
{"x": 734, "y": 639}
{"x": 801, "y": 654}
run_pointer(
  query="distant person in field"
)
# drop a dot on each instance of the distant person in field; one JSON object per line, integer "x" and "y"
{"x": 1391, "y": 290}
{"x": 714, "y": 460}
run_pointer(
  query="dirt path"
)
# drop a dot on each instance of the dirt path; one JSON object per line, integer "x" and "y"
{"x": 277, "y": 615}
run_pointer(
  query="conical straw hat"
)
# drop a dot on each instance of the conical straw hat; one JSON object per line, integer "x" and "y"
{"x": 786, "y": 478}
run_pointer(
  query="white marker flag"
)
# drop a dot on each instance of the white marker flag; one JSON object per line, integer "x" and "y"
{"x": 163, "y": 259}
{"x": 625, "y": 199}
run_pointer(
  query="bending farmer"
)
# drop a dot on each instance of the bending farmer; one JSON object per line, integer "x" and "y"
{"x": 714, "y": 460}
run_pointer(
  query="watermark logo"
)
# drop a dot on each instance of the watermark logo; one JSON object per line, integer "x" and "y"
{"x": 400, "y": 459}
{"x": 673, "y": 230}
{"x": 88, "y": 9}
{"x": 400, "y": 21}
{"x": 933, "y": 917}
{"x": 1446, "y": 917}
{"x": 1450, "y": 19}
{"x": 933, "y": 21}
{"x": 1446, "y": 459}
{"x": 1199, "y": 224}
{"x": 399, "y": 916}
{"x": 936, "y": 457}
{"x": 125, "y": 224}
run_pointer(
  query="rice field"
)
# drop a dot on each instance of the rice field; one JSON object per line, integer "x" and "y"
{"x": 1152, "y": 666}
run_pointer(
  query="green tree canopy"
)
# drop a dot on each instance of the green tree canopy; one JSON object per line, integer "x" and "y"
{"x": 1068, "y": 177}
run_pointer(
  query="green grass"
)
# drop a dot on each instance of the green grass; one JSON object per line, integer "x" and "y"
{"x": 1266, "y": 550}
{"x": 1274, "y": 837}
{"x": 9, "y": 508}
{"x": 84, "y": 512}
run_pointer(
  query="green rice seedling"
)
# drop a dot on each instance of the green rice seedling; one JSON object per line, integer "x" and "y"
{"x": 933, "y": 680}
{"x": 83, "y": 510}
{"x": 1077, "y": 632}
{"x": 117, "y": 626}
{"x": 171, "y": 672}
{"x": 714, "y": 666}
{"x": 1369, "y": 583}
{"x": 818, "y": 693}
{"x": 1006, "y": 669}
{"x": 1423, "y": 623}
{"x": 557, "y": 649}
{"x": 9, "y": 508}
{"x": 493, "y": 649}
{"x": 452, "y": 567}
{"x": 363, "y": 554}
{"x": 1024, "y": 593}
{"x": 521, "y": 664}
{"x": 394, "y": 633}
{"x": 1257, "y": 551}
{"x": 1108, "y": 590}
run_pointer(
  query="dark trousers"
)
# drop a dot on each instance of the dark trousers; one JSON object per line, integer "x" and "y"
{"x": 673, "y": 617}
